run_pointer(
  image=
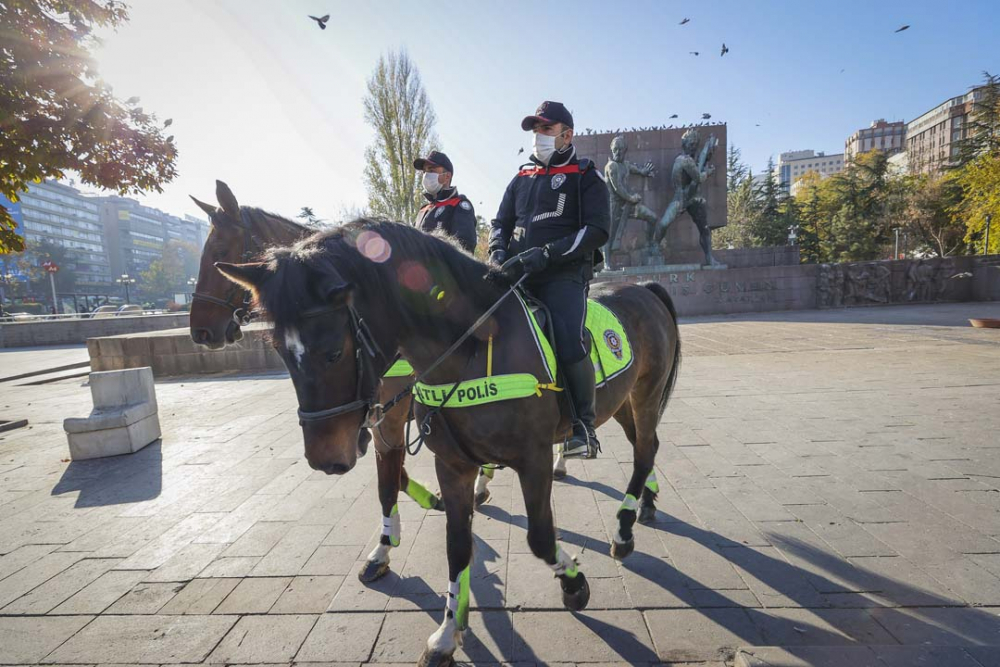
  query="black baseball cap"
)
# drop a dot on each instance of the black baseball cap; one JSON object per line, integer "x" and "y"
{"x": 548, "y": 113}
{"x": 435, "y": 159}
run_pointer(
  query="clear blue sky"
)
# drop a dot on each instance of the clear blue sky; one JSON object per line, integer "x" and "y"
{"x": 264, "y": 100}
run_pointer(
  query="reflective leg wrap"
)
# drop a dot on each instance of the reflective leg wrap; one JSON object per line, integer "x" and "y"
{"x": 651, "y": 482}
{"x": 424, "y": 498}
{"x": 630, "y": 504}
{"x": 458, "y": 599}
{"x": 391, "y": 526}
{"x": 488, "y": 472}
{"x": 565, "y": 564}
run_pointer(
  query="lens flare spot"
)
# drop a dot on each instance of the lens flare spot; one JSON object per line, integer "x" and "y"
{"x": 414, "y": 277}
{"x": 440, "y": 295}
{"x": 373, "y": 246}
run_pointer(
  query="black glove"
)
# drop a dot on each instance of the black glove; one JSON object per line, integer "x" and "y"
{"x": 498, "y": 257}
{"x": 532, "y": 260}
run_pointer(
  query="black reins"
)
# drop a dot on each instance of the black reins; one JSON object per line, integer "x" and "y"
{"x": 376, "y": 412}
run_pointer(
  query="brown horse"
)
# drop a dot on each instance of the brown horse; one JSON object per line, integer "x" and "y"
{"x": 221, "y": 308}
{"x": 339, "y": 299}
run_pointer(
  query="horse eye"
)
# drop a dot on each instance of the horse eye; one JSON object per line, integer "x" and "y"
{"x": 333, "y": 357}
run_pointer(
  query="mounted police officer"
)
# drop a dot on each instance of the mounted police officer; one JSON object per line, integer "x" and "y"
{"x": 446, "y": 209}
{"x": 552, "y": 221}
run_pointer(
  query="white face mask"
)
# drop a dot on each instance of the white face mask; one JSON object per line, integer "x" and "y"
{"x": 545, "y": 146}
{"x": 431, "y": 183}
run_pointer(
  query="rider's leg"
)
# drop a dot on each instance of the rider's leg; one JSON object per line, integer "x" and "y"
{"x": 566, "y": 299}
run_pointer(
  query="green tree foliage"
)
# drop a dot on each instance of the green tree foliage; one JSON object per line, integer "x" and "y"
{"x": 772, "y": 226}
{"x": 38, "y": 277}
{"x": 398, "y": 110}
{"x": 57, "y": 115}
{"x": 979, "y": 181}
{"x": 168, "y": 275}
{"x": 742, "y": 202}
{"x": 927, "y": 216}
{"x": 982, "y": 130}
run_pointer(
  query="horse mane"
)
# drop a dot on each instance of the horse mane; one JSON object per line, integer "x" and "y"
{"x": 347, "y": 251}
{"x": 259, "y": 216}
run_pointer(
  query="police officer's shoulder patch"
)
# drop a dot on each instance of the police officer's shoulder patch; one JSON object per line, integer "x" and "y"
{"x": 466, "y": 206}
{"x": 585, "y": 164}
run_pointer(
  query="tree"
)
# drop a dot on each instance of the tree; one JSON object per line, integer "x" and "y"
{"x": 57, "y": 115}
{"x": 169, "y": 274}
{"x": 927, "y": 215}
{"x": 742, "y": 204}
{"x": 770, "y": 229}
{"x": 982, "y": 130}
{"x": 979, "y": 181}
{"x": 310, "y": 218}
{"x": 64, "y": 258}
{"x": 398, "y": 110}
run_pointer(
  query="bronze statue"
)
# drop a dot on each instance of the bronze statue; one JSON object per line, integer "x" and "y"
{"x": 688, "y": 174}
{"x": 625, "y": 204}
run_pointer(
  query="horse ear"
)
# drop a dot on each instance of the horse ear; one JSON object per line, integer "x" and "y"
{"x": 227, "y": 200}
{"x": 334, "y": 288}
{"x": 245, "y": 275}
{"x": 207, "y": 208}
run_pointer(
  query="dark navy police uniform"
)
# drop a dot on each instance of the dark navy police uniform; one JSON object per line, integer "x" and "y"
{"x": 563, "y": 207}
{"x": 452, "y": 213}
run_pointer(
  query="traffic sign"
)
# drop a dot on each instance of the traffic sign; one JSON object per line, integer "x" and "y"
{"x": 50, "y": 266}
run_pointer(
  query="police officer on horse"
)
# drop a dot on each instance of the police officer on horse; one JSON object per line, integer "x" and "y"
{"x": 446, "y": 209}
{"x": 552, "y": 221}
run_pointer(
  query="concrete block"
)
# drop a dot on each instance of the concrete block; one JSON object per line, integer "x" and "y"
{"x": 124, "y": 419}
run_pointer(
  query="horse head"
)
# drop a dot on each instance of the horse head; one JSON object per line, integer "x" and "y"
{"x": 323, "y": 343}
{"x": 217, "y": 311}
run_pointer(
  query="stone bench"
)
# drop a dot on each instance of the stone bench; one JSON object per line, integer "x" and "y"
{"x": 124, "y": 419}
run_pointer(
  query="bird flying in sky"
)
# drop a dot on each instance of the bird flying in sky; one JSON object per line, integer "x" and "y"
{"x": 520, "y": 150}
{"x": 725, "y": 49}
{"x": 684, "y": 21}
{"x": 321, "y": 21}
{"x": 674, "y": 116}
{"x": 905, "y": 27}
{"x": 693, "y": 52}
{"x": 706, "y": 116}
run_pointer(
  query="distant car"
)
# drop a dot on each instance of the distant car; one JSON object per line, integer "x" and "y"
{"x": 129, "y": 309}
{"x": 104, "y": 311}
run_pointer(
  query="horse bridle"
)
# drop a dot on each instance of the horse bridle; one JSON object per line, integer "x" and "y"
{"x": 241, "y": 312}
{"x": 365, "y": 351}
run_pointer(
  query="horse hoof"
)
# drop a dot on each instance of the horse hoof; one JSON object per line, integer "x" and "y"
{"x": 621, "y": 551}
{"x": 647, "y": 514}
{"x": 558, "y": 473}
{"x": 435, "y": 659}
{"x": 438, "y": 504}
{"x": 372, "y": 571}
{"x": 576, "y": 594}
{"x": 482, "y": 498}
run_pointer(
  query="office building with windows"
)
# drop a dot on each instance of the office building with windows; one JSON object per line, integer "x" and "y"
{"x": 793, "y": 165}
{"x": 889, "y": 138}
{"x": 933, "y": 139}
{"x": 58, "y": 214}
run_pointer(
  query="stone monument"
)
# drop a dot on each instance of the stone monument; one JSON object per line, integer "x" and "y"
{"x": 642, "y": 190}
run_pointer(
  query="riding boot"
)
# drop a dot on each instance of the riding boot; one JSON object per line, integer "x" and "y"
{"x": 580, "y": 382}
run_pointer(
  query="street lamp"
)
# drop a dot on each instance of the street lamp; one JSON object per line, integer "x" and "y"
{"x": 126, "y": 281}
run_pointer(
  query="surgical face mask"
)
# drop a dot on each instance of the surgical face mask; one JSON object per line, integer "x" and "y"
{"x": 431, "y": 183}
{"x": 544, "y": 147}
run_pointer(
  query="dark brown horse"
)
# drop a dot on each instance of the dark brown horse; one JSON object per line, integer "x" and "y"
{"x": 339, "y": 299}
{"x": 221, "y": 308}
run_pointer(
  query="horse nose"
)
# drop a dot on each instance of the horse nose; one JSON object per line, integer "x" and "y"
{"x": 331, "y": 468}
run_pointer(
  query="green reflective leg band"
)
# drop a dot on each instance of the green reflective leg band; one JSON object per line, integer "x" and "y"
{"x": 458, "y": 599}
{"x": 424, "y": 498}
{"x": 630, "y": 503}
{"x": 564, "y": 565}
{"x": 651, "y": 483}
{"x": 391, "y": 526}
{"x": 487, "y": 471}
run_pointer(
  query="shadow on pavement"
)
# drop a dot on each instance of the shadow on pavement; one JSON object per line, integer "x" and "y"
{"x": 117, "y": 480}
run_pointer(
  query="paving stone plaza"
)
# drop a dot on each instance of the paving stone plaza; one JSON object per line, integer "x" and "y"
{"x": 830, "y": 495}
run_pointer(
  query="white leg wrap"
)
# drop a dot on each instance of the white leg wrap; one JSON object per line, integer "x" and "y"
{"x": 617, "y": 537}
{"x": 392, "y": 527}
{"x": 380, "y": 554}
{"x": 560, "y": 464}
{"x": 481, "y": 482}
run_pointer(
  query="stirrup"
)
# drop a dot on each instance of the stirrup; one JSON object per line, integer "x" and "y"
{"x": 576, "y": 449}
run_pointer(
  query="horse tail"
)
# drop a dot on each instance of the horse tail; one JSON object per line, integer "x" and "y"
{"x": 662, "y": 294}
